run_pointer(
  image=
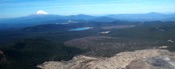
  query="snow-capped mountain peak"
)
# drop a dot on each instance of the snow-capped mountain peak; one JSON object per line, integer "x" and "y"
{"x": 41, "y": 12}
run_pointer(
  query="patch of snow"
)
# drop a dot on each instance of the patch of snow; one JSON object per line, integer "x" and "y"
{"x": 41, "y": 12}
{"x": 105, "y": 32}
{"x": 163, "y": 47}
{"x": 170, "y": 41}
{"x": 172, "y": 63}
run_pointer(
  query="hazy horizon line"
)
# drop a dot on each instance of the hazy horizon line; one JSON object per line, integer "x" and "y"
{"x": 90, "y": 14}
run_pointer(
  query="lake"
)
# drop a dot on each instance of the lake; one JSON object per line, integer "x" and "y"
{"x": 80, "y": 28}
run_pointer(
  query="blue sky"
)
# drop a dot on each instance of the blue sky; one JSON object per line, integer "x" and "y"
{"x": 18, "y": 8}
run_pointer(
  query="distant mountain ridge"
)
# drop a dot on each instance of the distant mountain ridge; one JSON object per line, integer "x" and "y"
{"x": 103, "y": 19}
{"x": 152, "y": 16}
{"x": 42, "y": 17}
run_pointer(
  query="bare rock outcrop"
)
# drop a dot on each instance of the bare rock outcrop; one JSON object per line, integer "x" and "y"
{"x": 1, "y": 56}
{"x": 140, "y": 59}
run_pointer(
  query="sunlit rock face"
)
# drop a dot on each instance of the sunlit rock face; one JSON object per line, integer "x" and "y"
{"x": 140, "y": 59}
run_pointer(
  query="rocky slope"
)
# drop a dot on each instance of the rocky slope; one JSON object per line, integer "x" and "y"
{"x": 140, "y": 59}
{"x": 1, "y": 56}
